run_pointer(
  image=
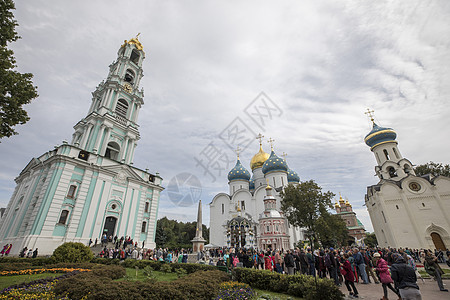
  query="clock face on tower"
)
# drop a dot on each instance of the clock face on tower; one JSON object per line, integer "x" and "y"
{"x": 127, "y": 87}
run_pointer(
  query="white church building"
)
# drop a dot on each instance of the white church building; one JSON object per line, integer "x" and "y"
{"x": 249, "y": 214}
{"x": 406, "y": 210}
{"x": 89, "y": 187}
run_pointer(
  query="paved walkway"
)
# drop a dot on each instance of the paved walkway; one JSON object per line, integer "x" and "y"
{"x": 429, "y": 290}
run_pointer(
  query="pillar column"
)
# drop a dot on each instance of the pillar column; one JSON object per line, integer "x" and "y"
{"x": 105, "y": 141}
{"x": 99, "y": 138}
{"x": 124, "y": 149}
{"x": 86, "y": 135}
{"x": 130, "y": 156}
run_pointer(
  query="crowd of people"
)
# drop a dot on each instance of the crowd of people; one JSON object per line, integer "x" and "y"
{"x": 394, "y": 269}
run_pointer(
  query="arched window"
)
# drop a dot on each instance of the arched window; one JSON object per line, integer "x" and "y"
{"x": 63, "y": 217}
{"x": 407, "y": 169}
{"x": 71, "y": 192}
{"x": 112, "y": 150}
{"x": 386, "y": 154}
{"x": 135, "y": 56}
{"x": 144, "y": 227}
{"x": 122, "y": 108}
{"x": 147, "y": 205}
{"x": 395, "y": 152}
{"x": 129, "y": 76}
{"x": 392, "y": 172}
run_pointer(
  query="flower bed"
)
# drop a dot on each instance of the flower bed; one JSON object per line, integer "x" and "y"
{"x": 43, "y": 270}
{"x": 231, "y": 290}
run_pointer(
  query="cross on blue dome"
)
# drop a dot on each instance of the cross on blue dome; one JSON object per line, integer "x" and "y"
{"x": 239, "y": 172}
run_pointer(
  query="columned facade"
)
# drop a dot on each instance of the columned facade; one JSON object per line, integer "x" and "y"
{"x": 88, "y": 188}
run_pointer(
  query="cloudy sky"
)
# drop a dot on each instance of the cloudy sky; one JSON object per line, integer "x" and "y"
{"x": 321, "y": 63}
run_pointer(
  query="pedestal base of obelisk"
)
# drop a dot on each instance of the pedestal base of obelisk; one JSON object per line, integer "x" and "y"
{"x": 198, "y": 244}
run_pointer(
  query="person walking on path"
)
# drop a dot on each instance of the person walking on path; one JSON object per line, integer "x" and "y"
{"x": 405, "y": 279}
{"x": 385, "y": 277}
{"x": 349, "y": 279}
{"x": 359, "y": 261}
{"x": 369, "y": 265}
{"x": 433, "y": 268}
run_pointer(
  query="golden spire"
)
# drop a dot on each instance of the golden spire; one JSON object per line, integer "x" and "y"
{"x": 284, "y": 155}
{"x": 369, "y": 113}
{"x": 238, "y": 150}
{"x": 341, "y": 200}
{"x": 268, "y": 186}
{"x": 270, "y": 141}
{"x": 259, "y": 137}
{"x": 347, "y": 203}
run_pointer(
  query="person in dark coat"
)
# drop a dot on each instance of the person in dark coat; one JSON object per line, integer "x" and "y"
{"x": 405, "y": 279}
{"x": 289, "y": 262}
{"x": 433, "y": 268}
{"x": 35, "y": 253}
{"x": 349, "y": 279}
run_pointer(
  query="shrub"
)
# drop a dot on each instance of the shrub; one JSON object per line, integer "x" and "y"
{"x": 166, "y": 268}
{"x": 72, "y": 252}
{"x": 109, "y": 271}
{"x": 304, "y": 286}
{"x": 180, "y": 272}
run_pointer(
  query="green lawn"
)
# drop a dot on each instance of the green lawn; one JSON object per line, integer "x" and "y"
{"x": 7, "y": 281}
{"x": 131, "y": 274}
{"x": 275, "y": 295}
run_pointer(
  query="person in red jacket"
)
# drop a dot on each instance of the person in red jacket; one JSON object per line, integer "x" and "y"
{"x": 385, "y": 276}
{"x": 346, "y": 270}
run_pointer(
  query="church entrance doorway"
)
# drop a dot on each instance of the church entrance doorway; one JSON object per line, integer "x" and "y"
{"x": 110, "y": 225}
{"x": 437, "y": 240}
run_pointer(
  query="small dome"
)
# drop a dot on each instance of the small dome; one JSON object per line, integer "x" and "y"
{"x": 274, "y": 163}
{"x": 379, "y": 135}
{"x": 292, "y": 176}
{"x": 238, "y": 172}
{"x": 258, "y": 159}
{"x": 251, "y": 185}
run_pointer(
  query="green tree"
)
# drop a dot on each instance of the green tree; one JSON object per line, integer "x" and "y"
{"x": 304, "y": 204}
{"x": 331, "y": 230}
{"x": 16, "y": 89}
{"x": 371, "y": 239}
{"x": 173, "y": 234}
{"x": 432, "y": 168}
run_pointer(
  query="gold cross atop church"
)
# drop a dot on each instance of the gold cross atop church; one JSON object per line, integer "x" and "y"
{"x": 238, "y": 150}
{"x": 369, "y": 113}
{"x": 260, "y": 137}
{"x": 270, "y": 141}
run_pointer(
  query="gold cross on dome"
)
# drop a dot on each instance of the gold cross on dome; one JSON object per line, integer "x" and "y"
{"x": 284, "y": 155}
{"x": 270, "y": 141}
{"x": 137, "y": 35}
{"x": 259, "y": 137}
{"x": 369, "y": 113}
{"x": 238, "y": 150}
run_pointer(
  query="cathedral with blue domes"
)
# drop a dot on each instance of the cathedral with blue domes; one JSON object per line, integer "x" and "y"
{"x": 249, "y": 214}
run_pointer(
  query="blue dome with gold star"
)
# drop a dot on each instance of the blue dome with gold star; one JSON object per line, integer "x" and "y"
{"x": 251, "y": 184}
{"x": 274, "y": 163}
{"x": 239, "y": 172}
{"x": 379, "y": 135}
{"x": 292, "y": 176}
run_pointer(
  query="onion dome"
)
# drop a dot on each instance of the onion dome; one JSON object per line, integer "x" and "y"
{"x": 258, "y": 159}
{"x": 251, "y": 185}
{"x": 238, "y": 172}
{"x": 274, "y": 163}
{"x": 292, "y": 176}
{"x": 379, "y": 135}
{"x": 347, "y": 203}
{"x": 336, "y": 205}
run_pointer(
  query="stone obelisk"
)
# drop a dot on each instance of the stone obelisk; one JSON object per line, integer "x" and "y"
{"x": 198, "y": 242}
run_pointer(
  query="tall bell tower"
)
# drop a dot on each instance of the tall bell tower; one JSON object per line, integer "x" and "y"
{"x": 110, "y": 127}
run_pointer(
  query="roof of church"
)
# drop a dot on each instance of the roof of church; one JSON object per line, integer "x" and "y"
{"x": 292, "y": 176}
{"x": 274, "y": 163}
{"x": 251, "y": 185}
{"x": 379, "y": 135}
{"x": 258, "y": 159}
{"x": 239, "y": 172}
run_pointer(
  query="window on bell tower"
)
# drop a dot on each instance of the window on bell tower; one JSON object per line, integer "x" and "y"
{"x": 129, "y": 76}
{"x": 122, "y": 108}
{"x": 135, "y": 56}
{"x": 112, "y": 150}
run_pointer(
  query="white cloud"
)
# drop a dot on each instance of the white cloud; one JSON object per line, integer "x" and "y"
{"x": 322, "y": 62}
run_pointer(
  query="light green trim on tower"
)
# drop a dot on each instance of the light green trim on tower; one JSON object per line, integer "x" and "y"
{"x": 93, "y": 136}
{"x": 28, "y": 203}
{"x": 129, "y": 211}
{"x": 47, "y": 200}
{"x": 156, "y": 217}
{"x": 136, "y": 214}
{"x": 10, "y": 224}
{"x": 96, "y": 210}
{"x": 60, "y": 230}
{"x": 87, "y": 205}
{"x": 112, "y": 100}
